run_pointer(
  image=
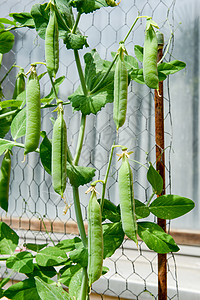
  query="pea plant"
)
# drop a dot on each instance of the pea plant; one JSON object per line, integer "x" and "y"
{"x": 76, "y": 263}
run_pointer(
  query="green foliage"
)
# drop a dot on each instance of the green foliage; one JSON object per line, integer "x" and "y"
{"x": 49, "y": 291}
{"x": 171, "y": 206}
{"x": 51, "y": 256}
{"x": 46, "y": 152}
{"x": 6, "y": 41}
{"x": 113, "y": 236}
{"x": 94, "y": 71}
{"x": 155, "y": 180}
{"x": 8, "y": 239}
{"x": 18, "y": 126}
{"x": 155, "y": 238}
{"x": 79, "y": 175}
{"x": 21, "y": 262}
{"x": 87, "y": 6}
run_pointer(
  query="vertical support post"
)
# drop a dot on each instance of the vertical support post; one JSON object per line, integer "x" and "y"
{"x": 160, "y": 166}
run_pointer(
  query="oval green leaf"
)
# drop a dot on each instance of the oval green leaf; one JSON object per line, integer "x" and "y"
{"x": 155, "y": 238}
{"x": 171, "y": 206}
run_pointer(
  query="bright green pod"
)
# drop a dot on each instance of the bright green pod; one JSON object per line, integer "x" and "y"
{"x": 59, "y": 155}
{"x": 33, "y": 113}
{"x": 4, "y": 181}
{"x": 150, "y": 70}
{"x": 19, "y": 83}
{"x": 126, "y": 196}
{"x": 95, "y": 239}
{"x": 52, "y": 43}
{"x": 120, "y": 93}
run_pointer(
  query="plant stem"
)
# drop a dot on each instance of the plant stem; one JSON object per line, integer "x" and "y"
{"x": 139, "y": 17}
{"x": 79, "y": 217}
{"x": 76, "y": 23}
{"x": 106, "y": 74}
{"x": 54, "y": 89}
{"x": 2, "y": 80}
{"x": 80, "y": 140}
{"x": 80, "y": 72}
{"x": 84, "y": 285}
{"x": 152, "y": 195}
{"x": 9, "y": 113}
{"x": 106, "y": 177}
{"x": 83, "y": 118}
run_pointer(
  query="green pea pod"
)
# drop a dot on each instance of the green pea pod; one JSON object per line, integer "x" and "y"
{"x": 95, "y": 239}
{"x": 52, "y": 43}
{"x": 4, "y": 181}
{"x": 33, "y": 114}
{"x": 126, "y": 196}
{"x": 59, "y": 155}
{"x": 150, "y": 71}
{"x": 19, "y": 83}
{"x": 120, "y": 92}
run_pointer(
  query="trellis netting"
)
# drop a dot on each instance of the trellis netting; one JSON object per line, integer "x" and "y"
{"x": 35, "y": 210}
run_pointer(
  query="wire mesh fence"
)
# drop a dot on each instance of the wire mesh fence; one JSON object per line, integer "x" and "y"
{"x": 35, "y": 211}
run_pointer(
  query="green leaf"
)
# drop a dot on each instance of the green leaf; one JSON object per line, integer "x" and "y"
{"x": 79, "y": 255}
{"x": 141, "y": 210}
{"x": 113, "y": 237}
{"x": 6, "y": 41}
{"x": 7, "y": 21}
{"x": 8, "y": 239}
{"x": 161, "y": 76}
{"x": 79, "y": 175}
{"x": 155, "y": 238}
{"x": 10, "y": 103}
{"x": 75, "y": 41}
{"x": 65, "y": 11}
{"x": 51, "y": 256}
{"x": 138, "y": 52}
{"x": 171, "y": 206}
{"x": 155, "y": 179}
{"x": 87, "y": 6}
{"x": 4, "y": 145}
{"x": 130, "y": 62}
{"x": 34, "y": 247}
{"x": 45, "y": 152}
{"x": 110, "y": 211}
{"x": 137, "y": 75}
{"x": 18, "y": 125}
{"x": 94, "y": 71}
{"x": 50, "y": 292}
{"x": 43, "y": 272}
{"x": 51, "y": 96}
{"x": 40, "y": 15}
{"x": 21, "y": 262}
{"x": 5, "y": 122}
{"x": 23, "y": 290}
{"x": 24, "y": 19}
{"x": 68, "y": 244}
{"x": 67, "y": 273}
{"x": 4, "y": 281}
{"x": 75, "y": 285}
{"x": 171, "y": 67}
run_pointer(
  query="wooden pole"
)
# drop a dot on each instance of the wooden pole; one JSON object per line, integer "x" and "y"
{"x": 160, "y": 166}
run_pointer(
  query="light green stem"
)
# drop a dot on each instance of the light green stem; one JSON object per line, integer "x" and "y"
{"x": 84, "y": 285}
{"x": 80, "y": 140}
{"x": 152, "y": 195}
{"x": 79, "y": 217}
{"x": 106, "y": 74}
{"x": 76, "y": 23}
{"x": 139, "y": 17}
{"x": 83, "y": 118}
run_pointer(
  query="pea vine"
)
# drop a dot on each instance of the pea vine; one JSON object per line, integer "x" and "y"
{"x": 78, "y": 262}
